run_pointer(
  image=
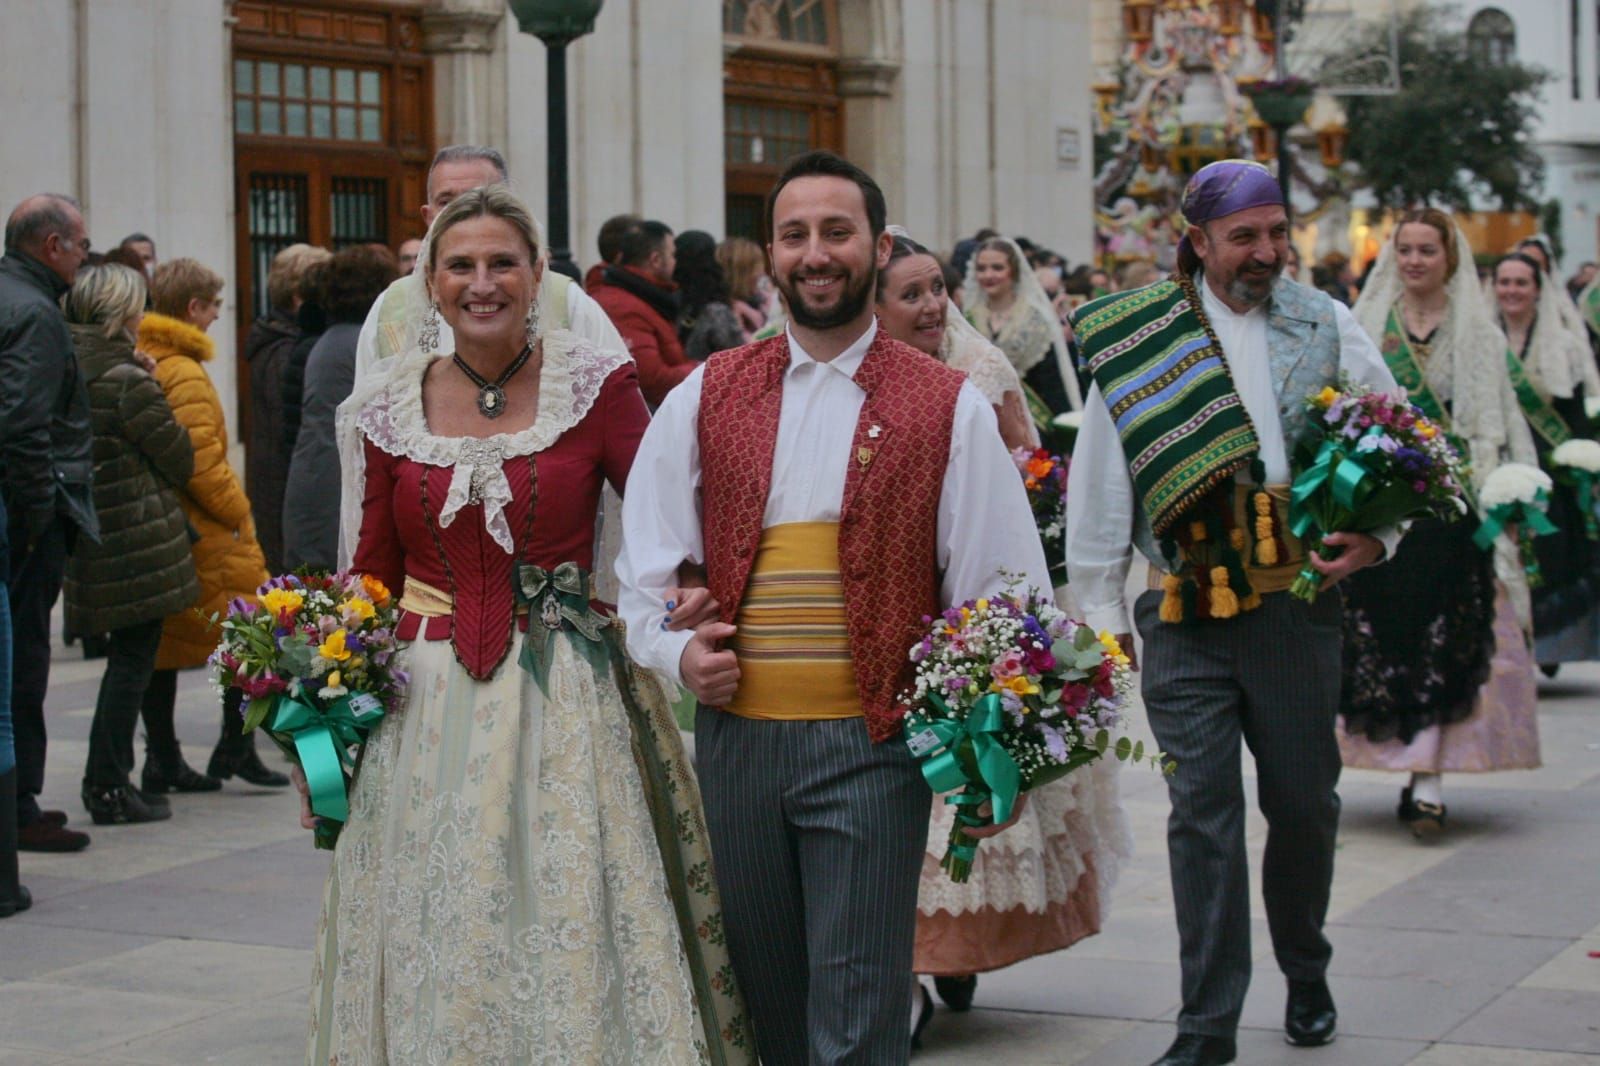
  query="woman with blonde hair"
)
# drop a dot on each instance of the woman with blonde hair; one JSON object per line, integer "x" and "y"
{"x": 140, "y": 571}
{"x": 524, "y": 874}
{"x": 187, "y": 297}
{"x": 744, "y": 266}
{"x": 1438, "y": 677}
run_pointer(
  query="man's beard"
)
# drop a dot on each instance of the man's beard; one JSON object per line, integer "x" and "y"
{"x": 1253, "y": 290}
{"x": 852, "y": 301}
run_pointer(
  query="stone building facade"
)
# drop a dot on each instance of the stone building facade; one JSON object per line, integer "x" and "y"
{"x": 226, "y": 129}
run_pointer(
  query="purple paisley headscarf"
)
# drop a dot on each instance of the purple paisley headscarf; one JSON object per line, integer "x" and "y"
{"x": 1219, "y": 189}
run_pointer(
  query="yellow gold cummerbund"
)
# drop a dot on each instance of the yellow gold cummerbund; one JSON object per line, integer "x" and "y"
{"x": 793, "y": 642}
{"x": 1264, "y": 580}
{"x": 430, "y": 601}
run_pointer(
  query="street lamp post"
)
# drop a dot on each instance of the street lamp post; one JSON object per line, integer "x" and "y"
{"x": 557, "y": 23}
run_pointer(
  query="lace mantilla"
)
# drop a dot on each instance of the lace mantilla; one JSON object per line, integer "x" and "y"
{"x": 570, "y": 379}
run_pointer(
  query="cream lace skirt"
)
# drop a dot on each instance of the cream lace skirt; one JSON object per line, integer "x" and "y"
{"x": 498, "y": 895}
{"x": 1040, "y": 886}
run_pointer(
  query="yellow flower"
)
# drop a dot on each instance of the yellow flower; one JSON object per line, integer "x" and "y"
{"x": 357, "y": 606}
{"x": 334, "y": 680}
{"x": 1426, "y": 430}
{"x": 277, "y": 601}
{"x": 376, "y": 590}
{"x": 1327, "y": 397}
{"x": 1113, "y": 648}
{"x": 983, "y": 605}
{"x": 333, "y": 648}
{"x": 1019, "y": 684}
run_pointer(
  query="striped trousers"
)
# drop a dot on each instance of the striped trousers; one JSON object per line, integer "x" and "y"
{"x": 1270, "y": 677}
{"x": 818, "y": 836}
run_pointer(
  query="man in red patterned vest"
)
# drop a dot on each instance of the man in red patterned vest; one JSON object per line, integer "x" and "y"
{"x": 838, "y": 487}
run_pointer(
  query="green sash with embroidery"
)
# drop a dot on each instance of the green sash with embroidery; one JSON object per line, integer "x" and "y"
{"x": 1408, "y": 372}
{"x": 1550, "y": 426}
{"x": 1182, "y": 425}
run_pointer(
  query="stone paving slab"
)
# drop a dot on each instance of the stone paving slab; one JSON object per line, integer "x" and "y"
{"x": 186, "y": 941}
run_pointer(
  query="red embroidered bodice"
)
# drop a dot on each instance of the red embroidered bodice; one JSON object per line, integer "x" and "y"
{"x": 888, "y": 527}
{"x": 446, "y": 510}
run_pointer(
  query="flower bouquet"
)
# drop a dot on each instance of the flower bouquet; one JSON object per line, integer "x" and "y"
{"x": 315, "y": 658}
{"x": 1378, "y": 461}
{"x": 1516, "y": 494}
{"x": 1011, "y": 694}
{"x": 1577, "y": 463}
{"x": 1044, "y": 476}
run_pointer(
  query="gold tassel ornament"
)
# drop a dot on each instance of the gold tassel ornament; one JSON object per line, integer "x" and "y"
{"x": 1224, "y": 601}
{"x": 1171, "y": 598}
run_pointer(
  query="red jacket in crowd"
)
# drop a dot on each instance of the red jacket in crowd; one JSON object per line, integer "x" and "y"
{"x": 643, "y": 313}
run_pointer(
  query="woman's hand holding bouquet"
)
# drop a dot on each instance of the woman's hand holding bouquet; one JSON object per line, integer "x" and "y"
{"x": 315, "y": 657}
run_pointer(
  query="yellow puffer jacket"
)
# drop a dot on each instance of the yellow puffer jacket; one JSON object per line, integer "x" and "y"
{"x": 227, "y": 558}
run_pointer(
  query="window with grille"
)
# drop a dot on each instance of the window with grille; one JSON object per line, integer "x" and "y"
{"x": 278, "y": 217}
{"x": 1492, "y": 37}
{"x": 308, "y": 101}
{"x": 784, "y": 21}
{"x": 764, "y": 133}
{"x": 359, "y": 213}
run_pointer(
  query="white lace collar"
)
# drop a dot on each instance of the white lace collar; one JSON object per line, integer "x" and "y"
{"x": 570, "y": 380}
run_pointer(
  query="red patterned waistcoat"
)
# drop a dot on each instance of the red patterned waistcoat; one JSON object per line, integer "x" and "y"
{"x": 888, "y": 526}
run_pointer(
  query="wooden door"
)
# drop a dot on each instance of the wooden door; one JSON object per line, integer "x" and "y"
{"x": 332, "y": 121}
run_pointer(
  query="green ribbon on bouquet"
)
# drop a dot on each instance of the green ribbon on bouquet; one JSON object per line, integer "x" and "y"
{"x": 558, "y": 599}
{"x": 999, "y": 778}
{"x": 1583, "y": 485}
{"x": 1519, "y": 511}
{"x": 322, "y": 740}
{"x": 1345, "y": 470}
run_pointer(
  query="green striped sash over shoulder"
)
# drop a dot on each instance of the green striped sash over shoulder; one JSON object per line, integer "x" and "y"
{"x": 1183, "y": 427}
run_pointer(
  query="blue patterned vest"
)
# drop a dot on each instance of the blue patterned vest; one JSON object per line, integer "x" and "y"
{"x": 1303, "y": 352}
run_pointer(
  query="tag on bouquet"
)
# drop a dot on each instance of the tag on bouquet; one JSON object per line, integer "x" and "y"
{"x": 923, "y": 743}
{"x": 364, "y": 705}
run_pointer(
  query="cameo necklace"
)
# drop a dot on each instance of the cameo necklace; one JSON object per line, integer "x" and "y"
{"x": 492, "y": 394}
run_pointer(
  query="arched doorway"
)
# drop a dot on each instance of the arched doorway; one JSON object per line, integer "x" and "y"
{"x": 780, "y": 97}
{"x": 332, "y": 121}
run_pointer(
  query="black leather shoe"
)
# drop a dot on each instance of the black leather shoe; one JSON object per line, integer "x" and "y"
{"x": 121, "y": 805}
{"x": 172, "y": 774}
{"x": 44, "y": 836}
{"x": 1197, "y": 1049}
{"x": 1310, "y": 1018}
{"x": 20, "y": 901}
{"x": 1426, "y": 820}
{"x": 956, "y": 991}
{"x": 244, "y": 762}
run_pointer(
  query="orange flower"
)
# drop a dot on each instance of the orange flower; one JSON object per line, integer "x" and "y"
{"x": 376, "y": 590}
{"x": 1040, "y": 468}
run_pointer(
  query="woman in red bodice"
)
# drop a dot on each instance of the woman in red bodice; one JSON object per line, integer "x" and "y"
{"x": 512, "y": 884}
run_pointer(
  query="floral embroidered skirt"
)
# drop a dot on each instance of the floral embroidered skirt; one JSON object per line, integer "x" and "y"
{"x": 1040, "y": 886}
{"x": 501, "y": 893}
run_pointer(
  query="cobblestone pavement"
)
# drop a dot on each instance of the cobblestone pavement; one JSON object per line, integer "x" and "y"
{"x": 188, "y": 941}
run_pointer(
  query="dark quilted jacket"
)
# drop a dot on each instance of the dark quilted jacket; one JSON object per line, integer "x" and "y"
{"x": 142, "y": 569}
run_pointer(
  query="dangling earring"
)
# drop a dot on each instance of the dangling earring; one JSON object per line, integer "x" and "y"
{"x": 428, "y": 339}
{"x": 533, "y": 321}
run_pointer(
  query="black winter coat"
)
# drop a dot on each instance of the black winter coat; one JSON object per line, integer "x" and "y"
{"x": 142, "y": 568}
{"x": 45, "y": 466}
{"x": 312, "y": 322}
{"x": 266, "y": 464}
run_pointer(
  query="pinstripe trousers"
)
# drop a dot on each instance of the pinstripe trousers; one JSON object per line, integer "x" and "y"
{"x": 1271, "y": 678}
{"x": 818, "y": 837}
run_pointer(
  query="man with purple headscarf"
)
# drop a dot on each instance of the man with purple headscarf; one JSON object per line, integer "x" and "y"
{"x": 1199, "y": 391}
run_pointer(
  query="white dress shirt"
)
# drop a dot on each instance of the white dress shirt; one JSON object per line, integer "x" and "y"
{"x": 1101, "y": 509}
{"x": 985, "y": 527}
